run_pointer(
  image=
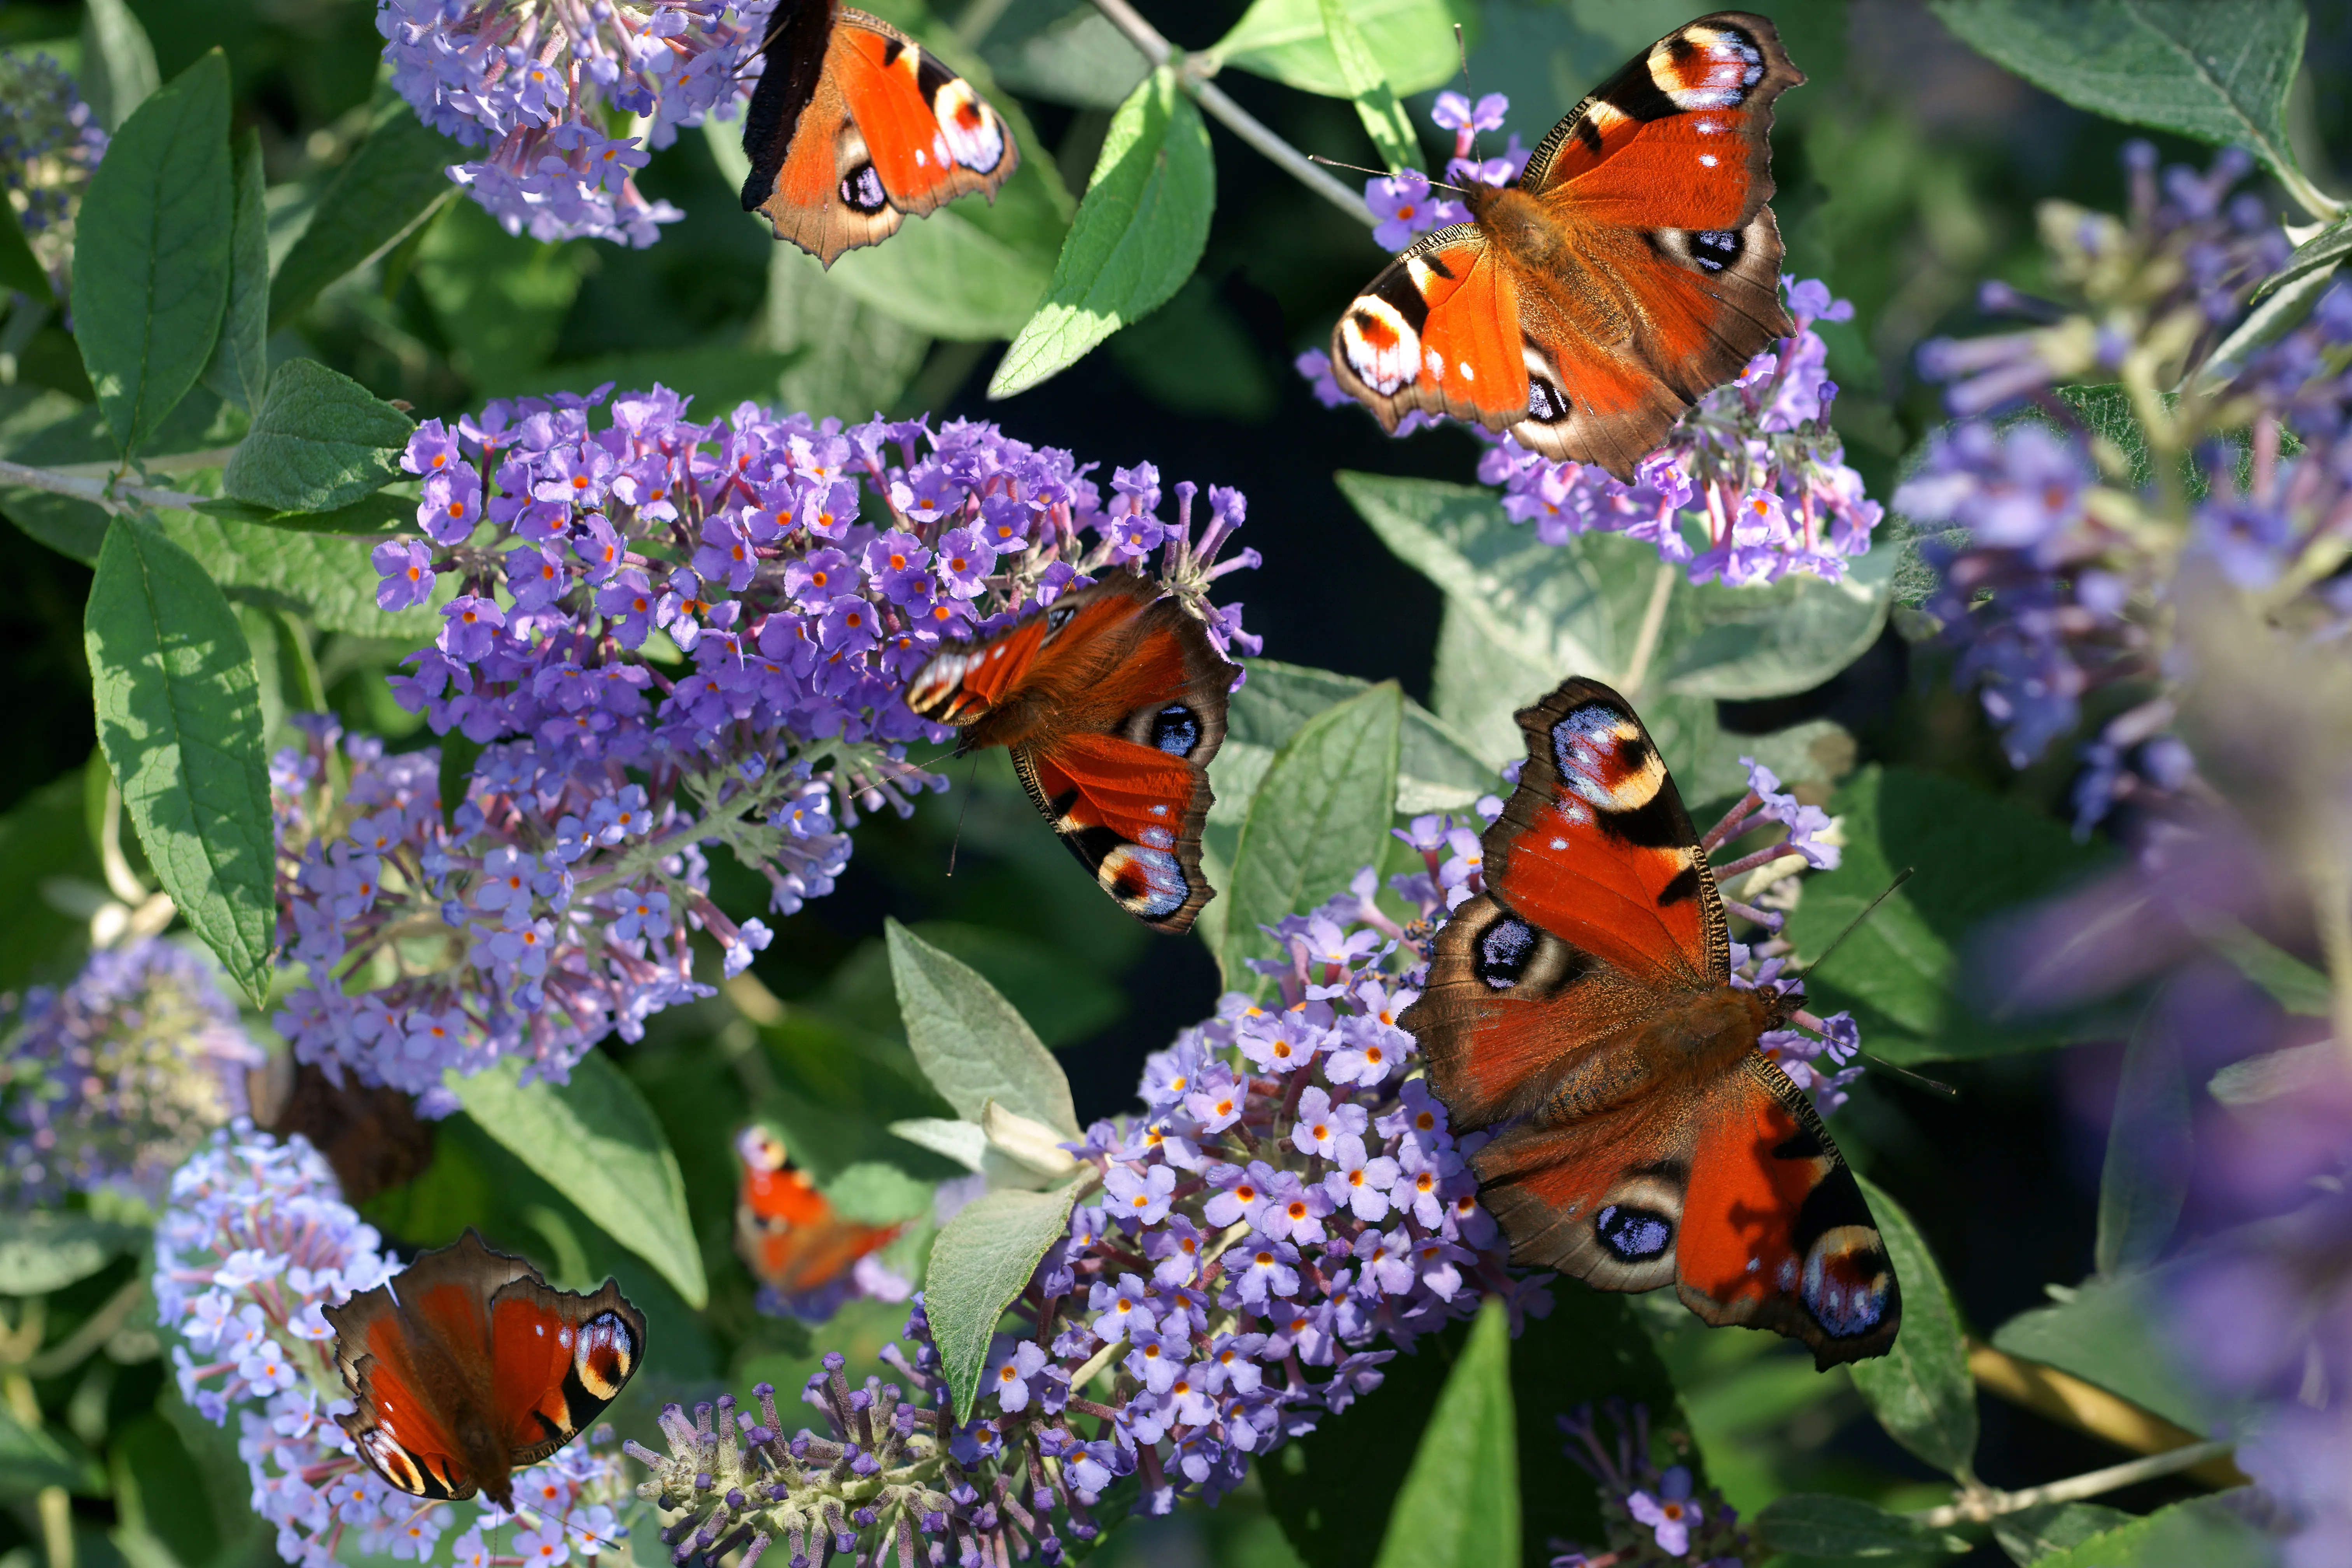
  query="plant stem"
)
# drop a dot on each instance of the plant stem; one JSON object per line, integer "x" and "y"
{"x": 1654, "y": 621}
{"x": 1194, "y": 81}
{"x": 95, "y": 489}
{"x": 1978, "y": 1507}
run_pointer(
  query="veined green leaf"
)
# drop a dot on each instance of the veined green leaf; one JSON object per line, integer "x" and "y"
{"x": 971, "y": 1044}
{"x": 394, "y": 179}
{"x": 1437, "y": 769}
{"x": 984, "y": 1258}
{"x": 2108, "y": 1335}
{"x": 2206, "y": 1531}
{"x": 1138, "y": 234}
{"x": 320, "y": 441}
{"x": 1921, "y": 1389}
{"x": 325, "y": 578}
{"x": 117, "y": 63}
{"x": 179, "y": 717}
{"x": 239, "y": 368}
{"x": 152, "y": 257}
{"x": 597, "y": 1143}
{"x": 1459, "y": 1506}
{"x": 1384, "y": 118}
{"x": 1411, "y": 41}
{"x": 42, "y": 1251}
{"x": 2032, "y": 1534}
{"x": 1814, "y": 1524}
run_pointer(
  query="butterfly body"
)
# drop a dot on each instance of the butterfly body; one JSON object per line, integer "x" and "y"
{"x": 788, "y": 1233}
{"x": 1583, "y": 1007}
{"x": 853, "y": 127}
{"x": 468, "y": 1365}
{"x": 1632, "y": 267}
{"x": 1112, "y": 701}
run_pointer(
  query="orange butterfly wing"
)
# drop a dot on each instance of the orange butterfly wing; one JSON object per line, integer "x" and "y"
{"x": 1113, "y": 701}
{"x": 1582, "y": 1005}
{"x": 1632, "y": 267}
{"x": 854, "y": 125}
{"x": 785, "y": 1230}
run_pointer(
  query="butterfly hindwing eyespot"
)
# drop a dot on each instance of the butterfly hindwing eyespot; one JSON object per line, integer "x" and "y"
{"x": 1632, "y": 1234}
{"x": 861, "y": 190}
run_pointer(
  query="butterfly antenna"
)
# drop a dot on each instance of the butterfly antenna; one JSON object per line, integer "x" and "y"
{"x": 1936, "y": 1085}
{"x": 957, "y": 843}
{"x": 1462, "y": 53}
{"x": 1868, "y": 910}
{"x": 1378, "y": 173}
{"x": 762, "y": 52}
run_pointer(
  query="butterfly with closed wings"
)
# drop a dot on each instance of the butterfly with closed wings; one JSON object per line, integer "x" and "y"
{"x": 1583, "y": 1006}
{"x": 1630, "y": 269}
{"x": 1112, "y": 701}
{"x": 468, "y": 1365}
{"x": 854, "y": 126}
{"x": 787, "y": 1232}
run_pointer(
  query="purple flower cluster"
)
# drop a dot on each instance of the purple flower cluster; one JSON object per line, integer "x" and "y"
{"x": 1755, "y": 461}
{"x": 537, "y": 86}
{"x": 2057, "y": 561}
{"x": 256, "y": 1239}
{"x": 1287, "y": 1199}
{"x": 50, "y": 146}
{"x": 1654, "y": 1517}
{"x": 667, "y": 634}
{"x": 107, "y": 1085}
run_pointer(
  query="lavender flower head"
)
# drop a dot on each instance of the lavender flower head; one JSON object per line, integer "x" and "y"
{"x": 50, "y": 146}
{"x": 255, "y": 1241}
{"x": 668, "y": 635}
{"x": 1654, "y": 1516}
{"x": 107, "y": 1085}
{"x": 537, "y": 85}
{"x": 1754, "y": 462}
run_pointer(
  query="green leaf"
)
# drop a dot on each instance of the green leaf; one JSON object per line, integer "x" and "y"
{"x": 324, "y": 578}
{"x": 1589, "y": 1350}
{"x": 2030, "y": 1534}
{"x": 152, "y": 262}
{"x": 41, "y": 1252}
{"x": 379, "y": 513}
{"x": 595, "y": 1141}
{"x": 2320, "y": 254}
{"x": 1063, "y": 1003}
{"x": 239, "y": 370}
{"x": 501, "y": 299}
{"x": 19, "y": 268}
{"x": 1194, "y": 355}
{"x": 947, "y": 276}
{"x": 2218, "y": 70}
{"x": 1899, "y": 973}
{"x": 1437, "y": 769}
{"x": 2144, "y": 1179}
{"x": 2105, "y": 1334}
{"x": 1321, "y": 814}
{"x": 394, "y": 179}
{"x": 1078, "y": 59}
{"x": 31, "y": 1459}
{"x": 2290, "y": 982}
{"x": 1459, "y": 1506}
{"x": 871, "y": 1192}
{"x": 1385, "y": 121}
{"x": 2208, "y": 1531}
{"x": 984, "y": 1258}
{"x": 1412, "y": 42}
{"x": 322, "y": 441}
{"x": 1920, "y": 1390}
{"x": 42, "y": 839}
{"x": 1138, "y": 233}
{"x": 850, "y": 359}
{"x": 179, "y": 716}
{"x": 971, "y": 1044}
{"x": 1814, "y": 1524}
{"x": 117, "y": 64}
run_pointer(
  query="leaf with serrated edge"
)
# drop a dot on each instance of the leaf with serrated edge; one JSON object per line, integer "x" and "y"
{"x": 179, "y": 717}
{"x": 1921, "y": 1389}
{"x": 320, "y": 441}
{"x": 984, "y": 1258}
{"x": 972, "y": 1042}
{"x": 1459, "y": 1506}
{"x": 151, "y": 257}
{"x": 595, "y": 1141}
{"x": 1321, "y": 814}
{"x": 1138, "y": 234}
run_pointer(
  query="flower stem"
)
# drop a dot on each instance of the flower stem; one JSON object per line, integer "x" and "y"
{"x": 1654, "y": 620}
{"x": 94, "y": 489}
{"x": 1976, "y": 1507}
{"x": 1193, "y": 80}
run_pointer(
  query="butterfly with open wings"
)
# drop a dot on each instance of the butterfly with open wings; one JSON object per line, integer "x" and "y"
{"x": 854, "y": 126}
{"x": 1583, "y": 1006}
{"x": 787, "y": 1232}
{"x": 468, "y": 1365}
{"x": 1630, "y": 269}
{"x": 1112, "y": 699}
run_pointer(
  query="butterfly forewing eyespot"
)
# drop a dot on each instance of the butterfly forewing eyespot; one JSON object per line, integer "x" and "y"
{"x": 604, "y": 1355}
{"x": 1380, "y": 344}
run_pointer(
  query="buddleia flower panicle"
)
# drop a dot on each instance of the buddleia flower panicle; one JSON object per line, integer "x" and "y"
{"x": 108, "y": 1083}
{"x": 50, "y": 146}
{"x": 1285, "y": 1213}
{"x": 1754, "y": 464}
{"x": 667, "y": 636}
{"x": 254, "y": 1241}
{"x": 537, "y": 85}
{"x": 1654, "y": 1516}
{"x": 2060, "y": 558}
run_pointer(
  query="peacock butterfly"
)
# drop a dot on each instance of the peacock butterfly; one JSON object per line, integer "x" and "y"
{"x": 1631, "y": 269}
{"x": 1583, "y": 1006}
{"x": 1112, "y": 701}
{"x": 468, "y": 1364}
{"x": 854, "y": 125}
{"x": 787, "y": 1232}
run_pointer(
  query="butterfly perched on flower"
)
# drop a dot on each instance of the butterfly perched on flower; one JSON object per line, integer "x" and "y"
{"x": 468, "y": 1365}
{"x": 1584, "y": 1006}
{"x": 1112, "y": 699}
{"x": 1632, "y": 267}
{"x": 788, "y": 1233}
{"x": 854, "y": 125}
